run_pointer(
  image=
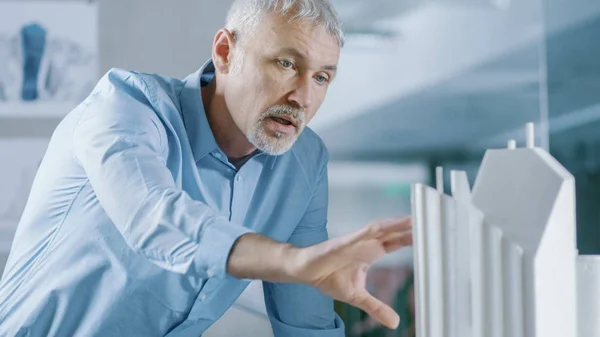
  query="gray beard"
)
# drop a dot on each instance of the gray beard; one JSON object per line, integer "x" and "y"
{"x": 279, "y": 143}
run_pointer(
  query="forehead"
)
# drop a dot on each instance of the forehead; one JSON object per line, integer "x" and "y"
{"x": 314, "y": 42}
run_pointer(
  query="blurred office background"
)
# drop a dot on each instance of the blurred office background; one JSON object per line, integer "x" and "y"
{"x": 422, "y": 83}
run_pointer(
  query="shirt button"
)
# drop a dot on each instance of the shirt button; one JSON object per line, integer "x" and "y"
{"x": 238, "y": 177}
{"x": 217, "y": 155}
{"x": 203, "y": 297}
{"x": 210, "y": 273}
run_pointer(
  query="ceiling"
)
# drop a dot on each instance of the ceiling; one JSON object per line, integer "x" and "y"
{"x": 477, "y": 81}
{"x": 449, "y": 116}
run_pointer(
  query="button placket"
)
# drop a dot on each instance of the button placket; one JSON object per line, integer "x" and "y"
{"x": 236, "y": 194}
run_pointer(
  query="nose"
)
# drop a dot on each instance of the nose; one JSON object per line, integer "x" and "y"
{"x": 301, "y": 95}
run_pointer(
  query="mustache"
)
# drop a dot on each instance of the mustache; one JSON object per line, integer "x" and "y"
{"x": 285, "y": 110}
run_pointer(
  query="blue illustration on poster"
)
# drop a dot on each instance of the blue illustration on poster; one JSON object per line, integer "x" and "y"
{"x": 36, "y": 66}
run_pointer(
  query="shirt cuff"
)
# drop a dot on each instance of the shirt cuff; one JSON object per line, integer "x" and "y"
{"x": 281, "y": 329}
{"x": 215, "y": 246}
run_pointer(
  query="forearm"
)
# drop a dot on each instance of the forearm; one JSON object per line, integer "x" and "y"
{"x": 254, "y": 256}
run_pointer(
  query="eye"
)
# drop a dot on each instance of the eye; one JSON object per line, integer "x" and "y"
{"x": 322, "y": 79}
{"x": 286, "y": 64}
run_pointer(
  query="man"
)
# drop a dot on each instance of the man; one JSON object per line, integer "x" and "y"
{"x": 159, "y": 199}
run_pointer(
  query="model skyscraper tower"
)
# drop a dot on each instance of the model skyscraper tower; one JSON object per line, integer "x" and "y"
{"x": 502, "y": 261}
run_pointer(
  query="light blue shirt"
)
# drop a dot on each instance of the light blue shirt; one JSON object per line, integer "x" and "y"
{"x": 134, "y": 211}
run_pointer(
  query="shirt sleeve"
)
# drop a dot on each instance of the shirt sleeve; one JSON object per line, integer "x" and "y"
{"x": 297, "y": 309}
{"x": 120, "y": 143}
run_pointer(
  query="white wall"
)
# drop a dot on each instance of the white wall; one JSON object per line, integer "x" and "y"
{"x": 173, "y": 38}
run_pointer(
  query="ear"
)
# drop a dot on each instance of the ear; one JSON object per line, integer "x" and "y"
{"x": 221, "y": 51}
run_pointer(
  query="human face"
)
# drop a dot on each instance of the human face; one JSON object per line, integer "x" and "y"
{"x": 279, "y": 77}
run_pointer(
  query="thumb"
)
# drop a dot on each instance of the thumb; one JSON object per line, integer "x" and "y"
{"x": 377, "y": 309}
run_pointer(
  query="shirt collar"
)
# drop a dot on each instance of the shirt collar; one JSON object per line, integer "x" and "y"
{"x": 202, "y": 139}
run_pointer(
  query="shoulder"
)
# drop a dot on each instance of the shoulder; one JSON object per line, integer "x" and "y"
{"x": 139, "y": 86}
{"x": 311, "y": 154}
{"x": 128, "y": 100}
{"x": 133, "y": 94}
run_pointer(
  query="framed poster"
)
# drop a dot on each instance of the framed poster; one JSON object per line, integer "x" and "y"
{"x": 48, "y": 56}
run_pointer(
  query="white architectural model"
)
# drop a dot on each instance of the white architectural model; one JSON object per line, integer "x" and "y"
{"x": 502, "y": 261}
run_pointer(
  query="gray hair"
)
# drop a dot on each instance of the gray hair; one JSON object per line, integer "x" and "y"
{"x": 244, "y": 15}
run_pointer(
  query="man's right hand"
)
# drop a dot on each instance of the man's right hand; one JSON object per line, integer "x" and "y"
{"x": 337, "y": 267}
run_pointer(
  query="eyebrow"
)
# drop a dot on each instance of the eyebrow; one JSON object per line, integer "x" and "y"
{"x": 295, "y": 52}
{"x": 332, "y": 67}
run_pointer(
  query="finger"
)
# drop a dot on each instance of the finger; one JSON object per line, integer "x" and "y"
{"x": 391, "y": 236}
{"x": 378, "y": 310}
{"x": 368, "y": 232}
{"x": 394, "y": 245}
{"x": 395, "y": 241}
{"x": 377, "y": 228}
{"x": 395, "y": 224}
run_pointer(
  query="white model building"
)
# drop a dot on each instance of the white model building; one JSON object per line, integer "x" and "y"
{"x": 502, "y": 261}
